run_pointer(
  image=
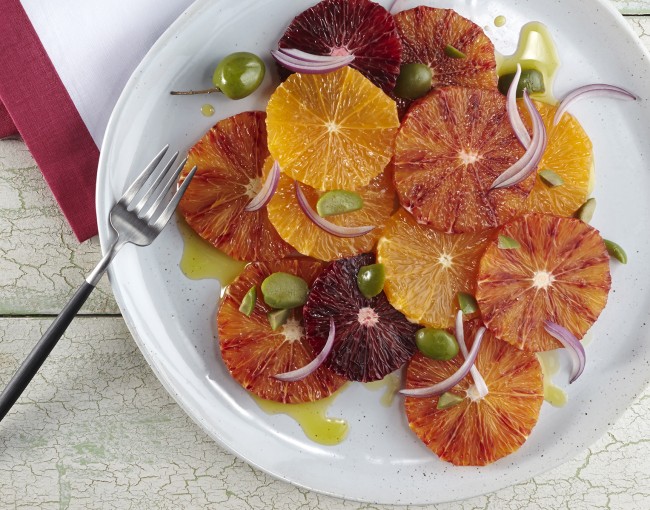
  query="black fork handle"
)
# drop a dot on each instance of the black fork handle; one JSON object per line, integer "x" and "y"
{"x": 41, "y": 351}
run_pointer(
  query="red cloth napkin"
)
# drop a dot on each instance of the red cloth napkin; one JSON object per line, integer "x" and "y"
{"x": 62, "y": 67}
{"x": 47, "y": 120}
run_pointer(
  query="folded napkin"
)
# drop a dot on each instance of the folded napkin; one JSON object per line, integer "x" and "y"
{"x": 63, "y": 65}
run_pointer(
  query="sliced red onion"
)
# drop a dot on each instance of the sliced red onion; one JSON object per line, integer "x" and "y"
{"x": 312, "y": 366}
{"x": 268, "y": 189}
{"x": 479, "y": 382}
{"x": 573, "y": 346}
{"x": 392, "y": 7}
{"x": 529, "y": 161}
{"x": 589, "y": 91}
{"x": 321, "y": 222}
{"x": 306, "y": 63}
{"x": 449, "y": 383}
{"x": 517, "y": 124}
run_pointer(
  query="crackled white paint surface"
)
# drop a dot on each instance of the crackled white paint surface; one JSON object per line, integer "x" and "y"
{"x": 96, "y": 429}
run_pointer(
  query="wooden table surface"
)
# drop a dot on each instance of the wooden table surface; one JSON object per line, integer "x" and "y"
{"x": 96, "y": 429}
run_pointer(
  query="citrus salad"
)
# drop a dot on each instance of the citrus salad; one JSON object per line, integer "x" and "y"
{"x": 402, "y": 205}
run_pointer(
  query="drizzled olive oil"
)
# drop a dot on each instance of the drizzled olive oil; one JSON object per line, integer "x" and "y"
{"x": 553, "y": 394}
{"x": 312, "y": 418}
{"x": 390, "y": 384}
{"x": 201, "y": 260}
{"x": 535, "y": 50}
{"x": 499, "y": 21}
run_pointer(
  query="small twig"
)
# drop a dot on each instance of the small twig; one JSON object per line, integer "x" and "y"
{"x": 194, "y": 92}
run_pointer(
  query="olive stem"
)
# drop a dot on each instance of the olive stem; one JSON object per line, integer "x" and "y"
{"x": 194, "y": 92}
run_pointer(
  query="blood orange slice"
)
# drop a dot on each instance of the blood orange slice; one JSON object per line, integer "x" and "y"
{"x": 372, "y": 338}
{"x": 427, "y": 33}
{"x": 560, "y": 274}
{"x": 331, "y": 131}
{"x": 477, "y": 431}
{"x": 426, "y": 269}
{"x": 569, "y": 155}
{"x": 254, "y": 353}
{"x": 229, "y": 159}
{"x": 350, "y": 27}
{"x": 297, "y": 229}
{"x": 451, "y": 147}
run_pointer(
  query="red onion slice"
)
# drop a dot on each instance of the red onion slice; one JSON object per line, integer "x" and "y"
{"x": 529, "y": 161}
{"x": 589, "y": 91}
{"x": 321, "y": 222}
{"x": 449, "y": 383}
{"x": 573, "y": 346}
{"x": 479, "y": 382}
{"x": 517, "y": 124}
{"x": 312, "y": 366}
{"x": 268, "y": 189}
{"x": 393, "y": 6}
{"x": 306, "y": 63}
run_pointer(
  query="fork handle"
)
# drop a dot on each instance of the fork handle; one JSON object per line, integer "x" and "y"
{"x": 41, "y": 351}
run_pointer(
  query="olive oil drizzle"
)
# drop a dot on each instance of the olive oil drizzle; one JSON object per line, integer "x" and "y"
{"x": 536, "y": 50}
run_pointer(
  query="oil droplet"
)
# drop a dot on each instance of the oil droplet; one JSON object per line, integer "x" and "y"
{"x": 554, "y": 395}
{"x": 499, "y": 21}
{"x": 202, "y": 260}
{"x": 390, "y": 384}
{"x": 207, "y": 110}
{"x": 535, "y": 50}
{"x": 312, "y": 418}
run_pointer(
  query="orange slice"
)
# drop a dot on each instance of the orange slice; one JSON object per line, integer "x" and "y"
{"x": 331, "y": 131}
{"x": 560, "y": 274}
{"x": 425, "y": 269}
{"x": 299, "y": 231}
{"x": 477, "y": 431}
{"x": 229, "y": 159}
{"x": 426, "y": 32}
{"x": 254, "y": 353}
{"x": 570, "y": 155}
{"x": 451, "y": 147}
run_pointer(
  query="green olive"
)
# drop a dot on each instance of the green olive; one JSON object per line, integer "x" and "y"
{"x": 239, "y": 74}
{"x": 284, "y": 290}
{"x": 531, "y": 79}
{"x": 436, "y": 344}
{"x": 248, "y": 302}
{"x": 370, "y": 279}
{"x": 414, "y": 81}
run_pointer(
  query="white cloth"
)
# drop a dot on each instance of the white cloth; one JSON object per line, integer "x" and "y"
{"x": 96, "y": 44}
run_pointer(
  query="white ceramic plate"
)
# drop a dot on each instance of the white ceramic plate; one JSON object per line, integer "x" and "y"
{"x": 172, "y": 317}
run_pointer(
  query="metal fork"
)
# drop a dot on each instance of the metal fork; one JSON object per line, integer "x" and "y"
{"x": 131, "y": 222}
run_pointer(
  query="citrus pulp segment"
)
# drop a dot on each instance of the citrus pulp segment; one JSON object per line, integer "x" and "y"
{"x": 426, "y": 32}
{"x": 309, "y": 239}
{"x": 477, "y": 431}
{"x": 229, "y": 160}
{"x": 559, "y": 274}
{"x": 570, "y": 155}
{"x": 372, "y": 338}
{"x": 426, "y": 269}
{"x": 254, "y": 353}
{"x": 350, "y": 27}
{"x": 451, "y": 147}
{"x": 331, "y": 131}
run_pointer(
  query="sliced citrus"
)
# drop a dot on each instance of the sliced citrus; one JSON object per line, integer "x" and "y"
{"x": 560, "y": 274}
{"x": 426, "y": 269}
{"x": 570, "y": 155}
{"x": 372, "y": 338}
{"x": 477, "y": 431}
{"x": 331, "y": 131}
{"x": 350, "y": 27}
{"x": 451, "y": 147}
{"x": 428, "y": 35}
{"x": 229, "y": 159}
{"x": 254, "y": 353}
{"x": 299, "y": 231}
